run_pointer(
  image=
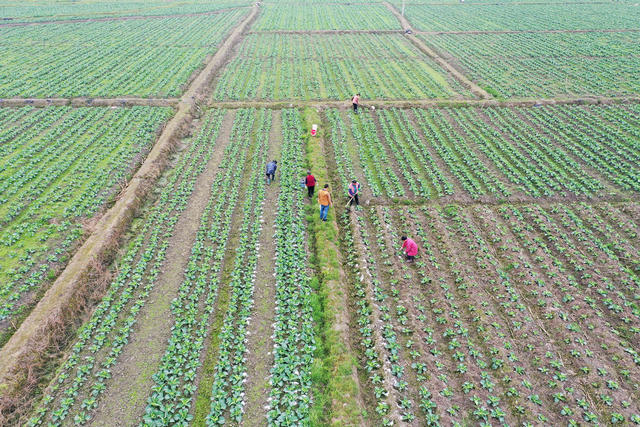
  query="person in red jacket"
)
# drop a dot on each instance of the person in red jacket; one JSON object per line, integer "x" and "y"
{"x": 310, "y": 182}
{"x": 410, "y": 248}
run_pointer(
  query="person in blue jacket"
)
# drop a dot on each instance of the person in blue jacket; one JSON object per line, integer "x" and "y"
{"x": 271, "y": 171}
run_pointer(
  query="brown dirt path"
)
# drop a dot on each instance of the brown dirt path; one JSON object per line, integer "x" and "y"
{"x": 260, "y": 343}
{"x": 51, "y": 322}
{"x": 125, "y": 396}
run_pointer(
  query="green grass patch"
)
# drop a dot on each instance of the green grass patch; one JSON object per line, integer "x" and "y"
{"x": 334, "y": 388}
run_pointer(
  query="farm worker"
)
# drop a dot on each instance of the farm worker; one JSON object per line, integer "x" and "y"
{"x": 310, "y": 182}
{"x": 355, "y": 100}
{"x": 354, "y": 190}
{"x": 324, "y": 198}
{"x": 271, "y": 171}
{"x": 410, "y": 248}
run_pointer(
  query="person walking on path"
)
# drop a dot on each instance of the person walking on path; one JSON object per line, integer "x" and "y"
{"x": 310, "y": 182}
{"x": 355, "y": 100}
{"x": 271, "y": 171}
{"x": 354, "y": 190}
{"x": 324, "y": 198}
{"x": 410, "y": 248}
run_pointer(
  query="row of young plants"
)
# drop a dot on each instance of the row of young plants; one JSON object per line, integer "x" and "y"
{"x": 152, "y": 57}
{"x": 282, "y": 16}
{"x": 58, "y": 167}
{"x": 303, "y": 66}
{"x": 82, "y": 378}
{"x": 175, "y": 381}
{"x": 377, "y": 342}
{"x": 294, "y": 337}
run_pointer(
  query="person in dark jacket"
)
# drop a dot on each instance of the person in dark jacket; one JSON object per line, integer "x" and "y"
{"x": 271, "y": 171}
{"x": 310, "y": 182}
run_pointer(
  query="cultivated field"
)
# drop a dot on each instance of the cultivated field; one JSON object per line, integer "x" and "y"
{"x": 150, "y": 276}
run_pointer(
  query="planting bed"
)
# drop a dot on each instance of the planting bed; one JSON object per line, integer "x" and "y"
{"x": 46, "y": 11}
{"x": 505, "y": 153}
{"x": 58, "y": 167}
{"x": 153, "y": 57}
{"x": 546, "y": 64}
{"x": 326, "y": 17}
{"x": 511, "y": 314}
{"x": 512, "y": 16}
{"x": 277, "y": 66}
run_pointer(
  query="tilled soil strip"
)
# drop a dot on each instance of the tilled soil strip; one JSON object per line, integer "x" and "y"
{"x": 260, "y": 343}
{"x": 56, "y": 308}
{"x": 118, "y": 18}
{"x": 125, "y": 399}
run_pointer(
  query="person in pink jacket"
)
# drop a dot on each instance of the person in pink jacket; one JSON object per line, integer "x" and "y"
{"x": 410, "y": 248}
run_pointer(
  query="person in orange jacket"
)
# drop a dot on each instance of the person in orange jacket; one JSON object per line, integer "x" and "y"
{"x": 324, "y": 198}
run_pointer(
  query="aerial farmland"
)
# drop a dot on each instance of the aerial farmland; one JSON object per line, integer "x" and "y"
{"x": 157, "y": 268}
